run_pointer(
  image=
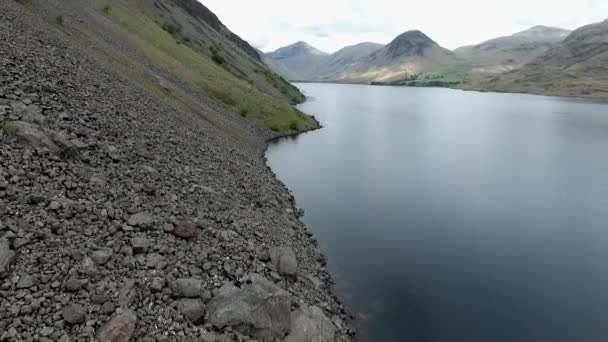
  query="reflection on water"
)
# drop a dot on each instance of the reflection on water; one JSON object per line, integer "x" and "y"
{"x": 458, "y": 216}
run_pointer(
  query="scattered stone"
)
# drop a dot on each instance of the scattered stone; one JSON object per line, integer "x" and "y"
{"x": 26, "y": 281}
{"x": 73, "y": 285}
{"x": 185, "y": 230}
{"x": 139, "y": 245}
{"x": 192, "y": 309}
{"x": 188, "y": 287}
{"x": 100, "y": 298}
{"x": 157, "y": 284}
{"x": 73, "y": 313}
{"x": 46, "y": 331}
{"x": 119, "y": 328}
{"x": 108, "y": 308}
{"x": 142, "y": 220}
{"x": 259, "y": 308}
{"x": 102, "y": 256}
{"x": 284, "y": 260}
{"x": 6, "y": 257}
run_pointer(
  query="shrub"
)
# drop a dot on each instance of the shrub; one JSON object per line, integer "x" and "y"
{"x": 274, "y": 128}
{"x": 218, "y": 59}
{"x": 59, "y": 19}
{"x": 293, "y": 126}
{"x": 244, "y": 112}
{"x": 107, "y": 8}
{"x": 170, "y": 28}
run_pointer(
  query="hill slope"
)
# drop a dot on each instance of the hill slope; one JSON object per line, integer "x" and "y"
{"x": 134, "y": 207}
{"x": 507, "y": 53}
{"x": 410, "y": 54}
{"x": 344, "y": 58}
{"x": 176, "y": 43}
{"x": 578, "y": 66}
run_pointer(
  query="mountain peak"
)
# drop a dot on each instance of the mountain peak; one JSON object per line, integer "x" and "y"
{"x": 410, "y": 43}
{"x": 295, "y": 49}
{"x": 544, "y": 31}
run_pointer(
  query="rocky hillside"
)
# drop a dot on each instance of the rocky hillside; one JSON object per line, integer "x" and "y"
{"x": 134, "y": 205}
{"x": 507, "y": 53}
{"x": 578, "y": 66}
{"x": 298, "y": 61}
{"x": 409, "y": 55}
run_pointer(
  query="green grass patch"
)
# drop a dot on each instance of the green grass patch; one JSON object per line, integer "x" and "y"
{"x": 158, "y": 44}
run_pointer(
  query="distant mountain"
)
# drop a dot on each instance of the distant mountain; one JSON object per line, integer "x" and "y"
{"x": 301, "y": 61}
{"x": 344, "y": 58}
{"x": 507, "y": 53}
{"x": 296, "y": 61}
{"x": 576, "y": 66}
{"x": 410, "y": 54}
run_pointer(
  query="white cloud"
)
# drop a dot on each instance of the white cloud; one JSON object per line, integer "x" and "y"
{"x": 332, "y": 24}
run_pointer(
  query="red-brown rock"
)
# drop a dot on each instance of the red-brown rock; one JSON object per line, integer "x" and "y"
{"x": 185, "y": 230}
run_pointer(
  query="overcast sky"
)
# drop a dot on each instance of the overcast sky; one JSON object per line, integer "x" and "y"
{"x": 332, "y": 24}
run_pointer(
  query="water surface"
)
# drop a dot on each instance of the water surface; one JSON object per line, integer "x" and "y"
{"x": 458, "y": 216}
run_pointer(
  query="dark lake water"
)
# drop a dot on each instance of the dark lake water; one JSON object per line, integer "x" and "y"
{"x": 454, "y": 216}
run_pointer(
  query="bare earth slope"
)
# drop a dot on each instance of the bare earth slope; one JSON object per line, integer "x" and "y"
{"x": 131, "y": 207}
{"x": 578, "y": 66}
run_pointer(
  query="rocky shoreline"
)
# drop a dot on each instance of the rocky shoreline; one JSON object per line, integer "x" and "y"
{"x": 124, "y": 218}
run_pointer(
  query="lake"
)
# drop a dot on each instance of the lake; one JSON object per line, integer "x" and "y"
{"x": 457, "y": 216}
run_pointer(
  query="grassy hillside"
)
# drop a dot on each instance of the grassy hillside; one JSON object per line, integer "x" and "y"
{"x": 182, "y": 54}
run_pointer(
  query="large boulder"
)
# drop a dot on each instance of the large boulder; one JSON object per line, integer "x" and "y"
{"x": 36, "y": 136}
{"x": 118, "y": 329}
{"x": 309, "y": 324}
{"x": 6, "y": 257}
{"x": 192, "y": 309}
{"x": 284, "y": 260}
{"x": 259, "y": 308}
{"x": 188, "y": 287}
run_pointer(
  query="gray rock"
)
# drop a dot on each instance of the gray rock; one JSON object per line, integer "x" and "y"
{"x": 155, "y": 260}
{"x": 157, "y": 284}
{"x": 6, "y": 257}
{"x": 192, "y": 309}
{"x": 31, "y": 134}
{"x": 73, "y": 313}
{"x": 102, "y": 256}
{"x": 259, "y": 308}
{"x": 284, "y": 260}
{"x": 139, "y": 245}
{"x": 310, "y": 324}
{"x": 26, "y": 281}
{"x": 188, "y": 287}
{"x": 73, "y": 285}
{"x": 142, "y": 220}
{"x": 119, "y": 328}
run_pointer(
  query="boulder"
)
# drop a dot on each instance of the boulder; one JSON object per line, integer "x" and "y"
{"x": 259, "y": 308}
{"x": 284, "y": 260}
{"x": 6, "y": 257}
{"x": 31, "y": 134}
{"x": 310, "y": 324}
{"x": 119, "y": 328}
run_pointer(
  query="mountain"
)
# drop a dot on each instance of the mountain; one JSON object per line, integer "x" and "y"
{"x": 344, "y": 58}
{"x": 296, "y": 61}
{"x": 578, "y": 66}
{"x": 303, "y": 62}
{"x": 507, "y": 53}
{"x": 409, "y": 55}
